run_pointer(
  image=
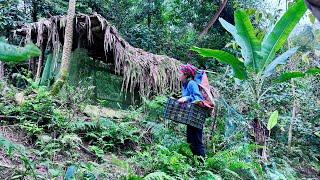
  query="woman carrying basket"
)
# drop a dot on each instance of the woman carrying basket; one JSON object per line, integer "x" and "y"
{"x": 191, "y": 94}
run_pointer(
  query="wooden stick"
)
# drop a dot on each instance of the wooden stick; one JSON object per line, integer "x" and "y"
{"x": 84, "y": 149}
{"x": 6, "y": 166}
{"x": 2, "y": 117}
{"x": 209, "y": 72}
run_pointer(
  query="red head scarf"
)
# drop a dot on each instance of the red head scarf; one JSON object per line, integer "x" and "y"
{"x": 188, "y": 70}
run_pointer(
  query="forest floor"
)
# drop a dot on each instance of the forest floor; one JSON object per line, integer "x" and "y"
{"x": 18, "y": 137}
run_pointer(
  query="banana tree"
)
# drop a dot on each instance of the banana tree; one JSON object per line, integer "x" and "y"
{"x": 259, "y": 58}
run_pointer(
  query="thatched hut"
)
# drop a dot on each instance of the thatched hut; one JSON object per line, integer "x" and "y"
{"x": 143, "y": 71}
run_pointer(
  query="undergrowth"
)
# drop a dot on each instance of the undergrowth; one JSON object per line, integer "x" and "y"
{"x": 68, "y": 143}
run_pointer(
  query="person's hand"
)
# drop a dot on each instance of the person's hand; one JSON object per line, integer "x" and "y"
{"x": 182, "y": 100}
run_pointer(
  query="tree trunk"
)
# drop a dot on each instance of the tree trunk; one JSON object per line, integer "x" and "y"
{"x": 32, "y": 66}
{"x": 214, "y": 18}
{"x": 1, "y": 70}
{"x": 149, "y": 13}
{"x": 260, "y": 136}
{"x": 34, "y": 12}
{"x": 67, "y": 47}
{"x": 294, "y": 114}
{"x": 95, "y": 90}
{"x": 293, "y": 117}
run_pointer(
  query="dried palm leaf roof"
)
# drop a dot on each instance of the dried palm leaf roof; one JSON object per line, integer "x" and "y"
{"x": 147, "y": 72}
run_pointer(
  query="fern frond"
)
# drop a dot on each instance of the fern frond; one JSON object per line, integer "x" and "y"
{"x": 158, "y": 176}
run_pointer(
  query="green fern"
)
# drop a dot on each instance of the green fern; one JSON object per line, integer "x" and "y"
{"x": 234, "y": 161}
{"x": 31, "y": 128}
{"x": 236, "y": 165}
{"x": 7, "y": 146}
{"x": 82, "y": 126}
{"x": 231, "y": 174}
{"x": 209, "y": 175}
{"x": 11, "y": 148}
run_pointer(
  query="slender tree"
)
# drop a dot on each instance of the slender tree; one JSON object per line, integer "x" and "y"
{"x": 214, "y": 18}
{"x": 67, "y": 47}
{"x": 1, "y": 70}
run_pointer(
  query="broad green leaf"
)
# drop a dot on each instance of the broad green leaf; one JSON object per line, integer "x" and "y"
{"x": 16, "y": 54}
{"x": 273, "y": 120}
{"x": 275, "y": 39}
{"x": 251, "y": 43}
{"x": 289, "y": 75}
{"x": 233, "y": 31}
{"x": 282, "y": 59}
{"x": 313, "y": 71}
{"x": 296, "y": 74}
{"x": 239, "y": 70}
{"x": 317, "y": 133}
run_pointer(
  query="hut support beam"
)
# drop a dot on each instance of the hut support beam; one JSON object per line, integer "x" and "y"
{"x": 40, "y": 63}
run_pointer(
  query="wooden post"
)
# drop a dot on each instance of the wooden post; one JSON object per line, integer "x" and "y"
{"x": 40, "y": 63}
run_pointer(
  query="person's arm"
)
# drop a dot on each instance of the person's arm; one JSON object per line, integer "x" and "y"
{"x": 194, "y": 90}
{"x": 194, "y": 93}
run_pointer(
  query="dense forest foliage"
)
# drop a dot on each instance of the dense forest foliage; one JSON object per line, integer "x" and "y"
{"x": 261, "y": 57}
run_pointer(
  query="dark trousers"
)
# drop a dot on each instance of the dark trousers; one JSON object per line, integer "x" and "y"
{"x": 194, "y": 138}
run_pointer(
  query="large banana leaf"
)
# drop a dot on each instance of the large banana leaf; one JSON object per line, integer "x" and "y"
{"x": 16, "y": 54}
{"x": 233, "y": 31}
{"x": 251, "y": 43}
{"x": 290, "y": 75}
{"x": 313, "y": 71}
{"x": 239, "y": 70}
{"x": 275, "y": 39}
{"x": 282, "y": 59}
{"x": 297, "y": 74}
